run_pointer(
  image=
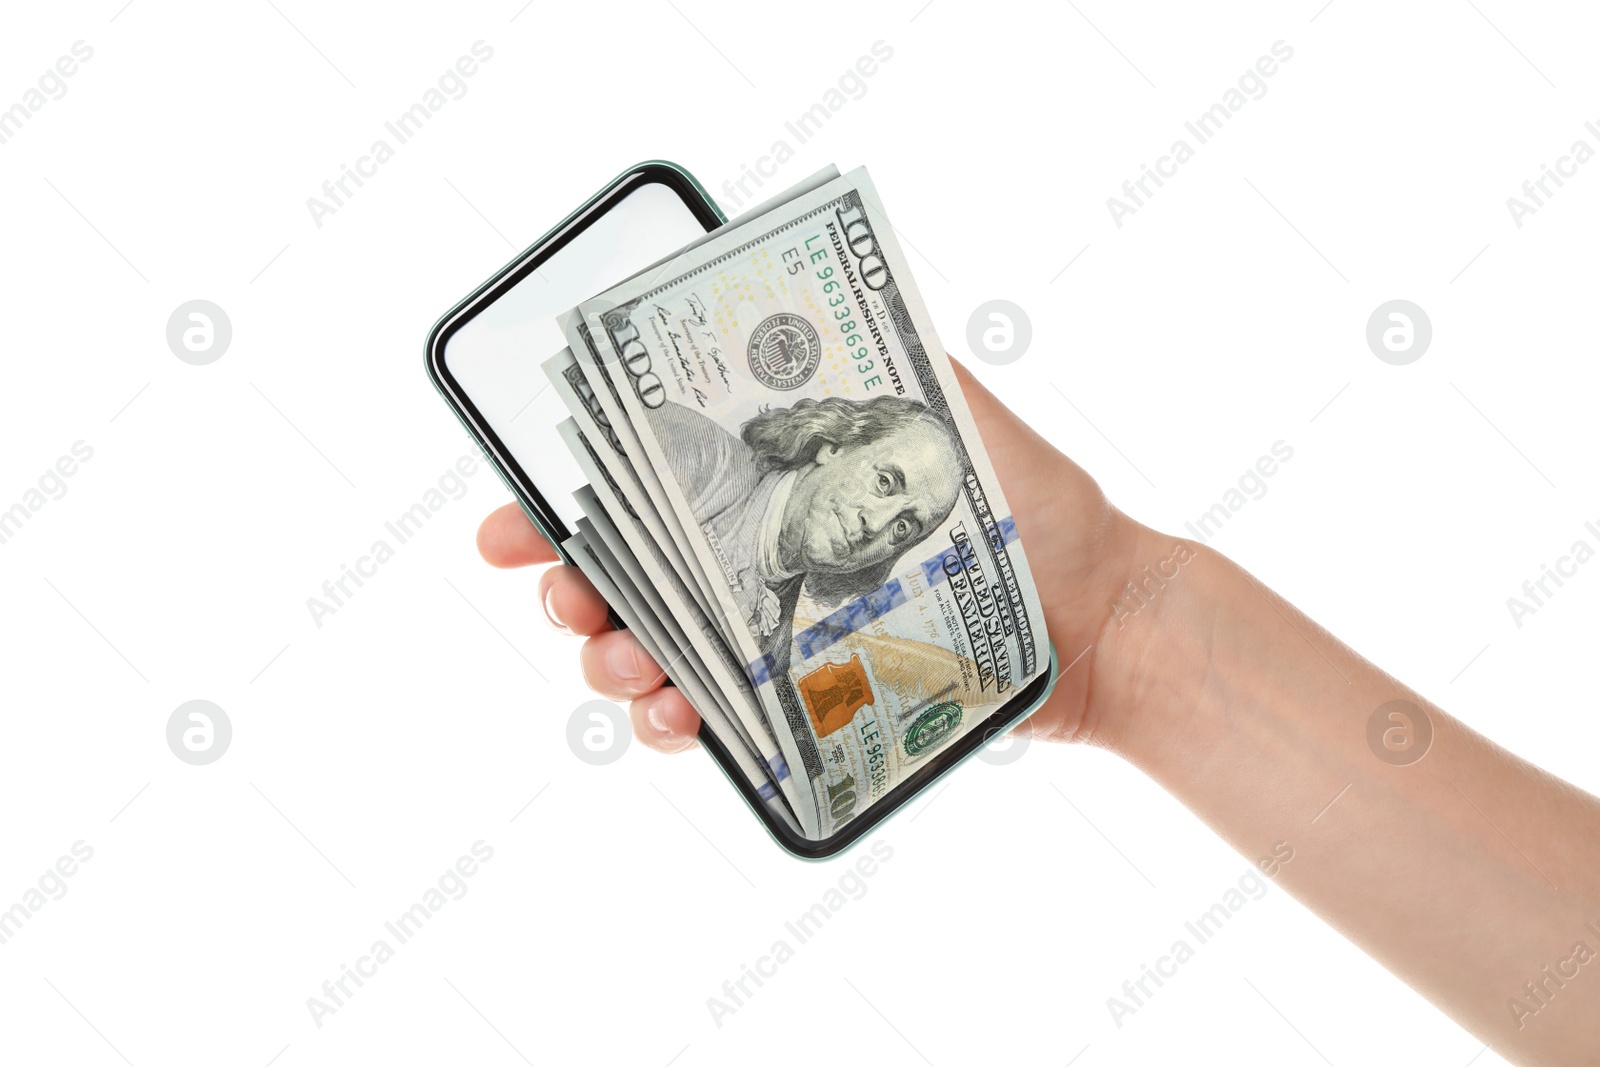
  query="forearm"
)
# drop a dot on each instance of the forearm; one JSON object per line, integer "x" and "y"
{"x": 1467, "y": 872}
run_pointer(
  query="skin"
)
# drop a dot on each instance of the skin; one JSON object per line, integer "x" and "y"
{"x": 862, "y": 504}
{"x": 1465, "y": 873}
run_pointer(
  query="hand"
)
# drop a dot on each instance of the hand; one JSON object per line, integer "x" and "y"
{"x": 614, "y": 664}
{"x": 1078, "y": 545}
{"x": 1253, "y": 717}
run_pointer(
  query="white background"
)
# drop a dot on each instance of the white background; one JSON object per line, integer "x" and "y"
{"x": 372, "y": 751}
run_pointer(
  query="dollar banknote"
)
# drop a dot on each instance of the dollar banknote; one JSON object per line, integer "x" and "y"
{"x": 589, "y": 548}
{"x": 784, "y": 421}
{"x": 682, "y": 633}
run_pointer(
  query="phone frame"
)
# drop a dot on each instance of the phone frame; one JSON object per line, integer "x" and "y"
{"x": 532, "y": 258}
{"x": 539, "y": 511}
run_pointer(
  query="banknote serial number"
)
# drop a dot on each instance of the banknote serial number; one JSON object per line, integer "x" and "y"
{"x": 877, "y": 759}
{"x": 837, "y": 287}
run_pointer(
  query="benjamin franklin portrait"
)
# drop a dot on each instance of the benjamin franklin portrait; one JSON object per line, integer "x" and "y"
{"x": 823, "y": 496}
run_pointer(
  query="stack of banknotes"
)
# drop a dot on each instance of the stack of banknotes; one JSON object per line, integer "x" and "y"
{"x": 790, "y": 504}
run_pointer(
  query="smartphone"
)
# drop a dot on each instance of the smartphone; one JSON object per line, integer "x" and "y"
{"x": 484, "y": 357}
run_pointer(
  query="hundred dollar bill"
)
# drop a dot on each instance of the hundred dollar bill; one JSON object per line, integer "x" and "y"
{"x": 666, "y": 636}
{"x": 606, "y": 574}
{"x": 597, "y": 396}
{"x": 582, "y": 400}
{"x": 787, "y": 389}
{"x": 657, "y": 593}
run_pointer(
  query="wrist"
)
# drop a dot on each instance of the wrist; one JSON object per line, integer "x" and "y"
{"x": 1152, "y": 652}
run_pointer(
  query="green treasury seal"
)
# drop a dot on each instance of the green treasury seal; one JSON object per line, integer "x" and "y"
{"x": 932, "y": 728}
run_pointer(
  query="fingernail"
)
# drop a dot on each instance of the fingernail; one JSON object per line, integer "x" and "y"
{"x": 657, "y": 721}
{"x": 549, "y": 611}
{"x": 622, "y": 661}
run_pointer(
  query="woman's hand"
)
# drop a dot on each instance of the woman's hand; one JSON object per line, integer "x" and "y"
{"x": 1258, "y": 721}
{"x": 614, "y": 663}
{"x": 1078, "y": 546}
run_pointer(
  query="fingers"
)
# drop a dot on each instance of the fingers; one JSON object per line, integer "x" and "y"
{"x": 617, "y": 667}
{"x": 614, "y": 663}
{"x": 665, "y": 720}
{"x": 571, "y": 603}
{"x": 508, "y": 539}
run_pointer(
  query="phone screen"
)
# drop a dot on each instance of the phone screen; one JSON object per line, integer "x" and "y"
{"x": 494, "y": 356}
